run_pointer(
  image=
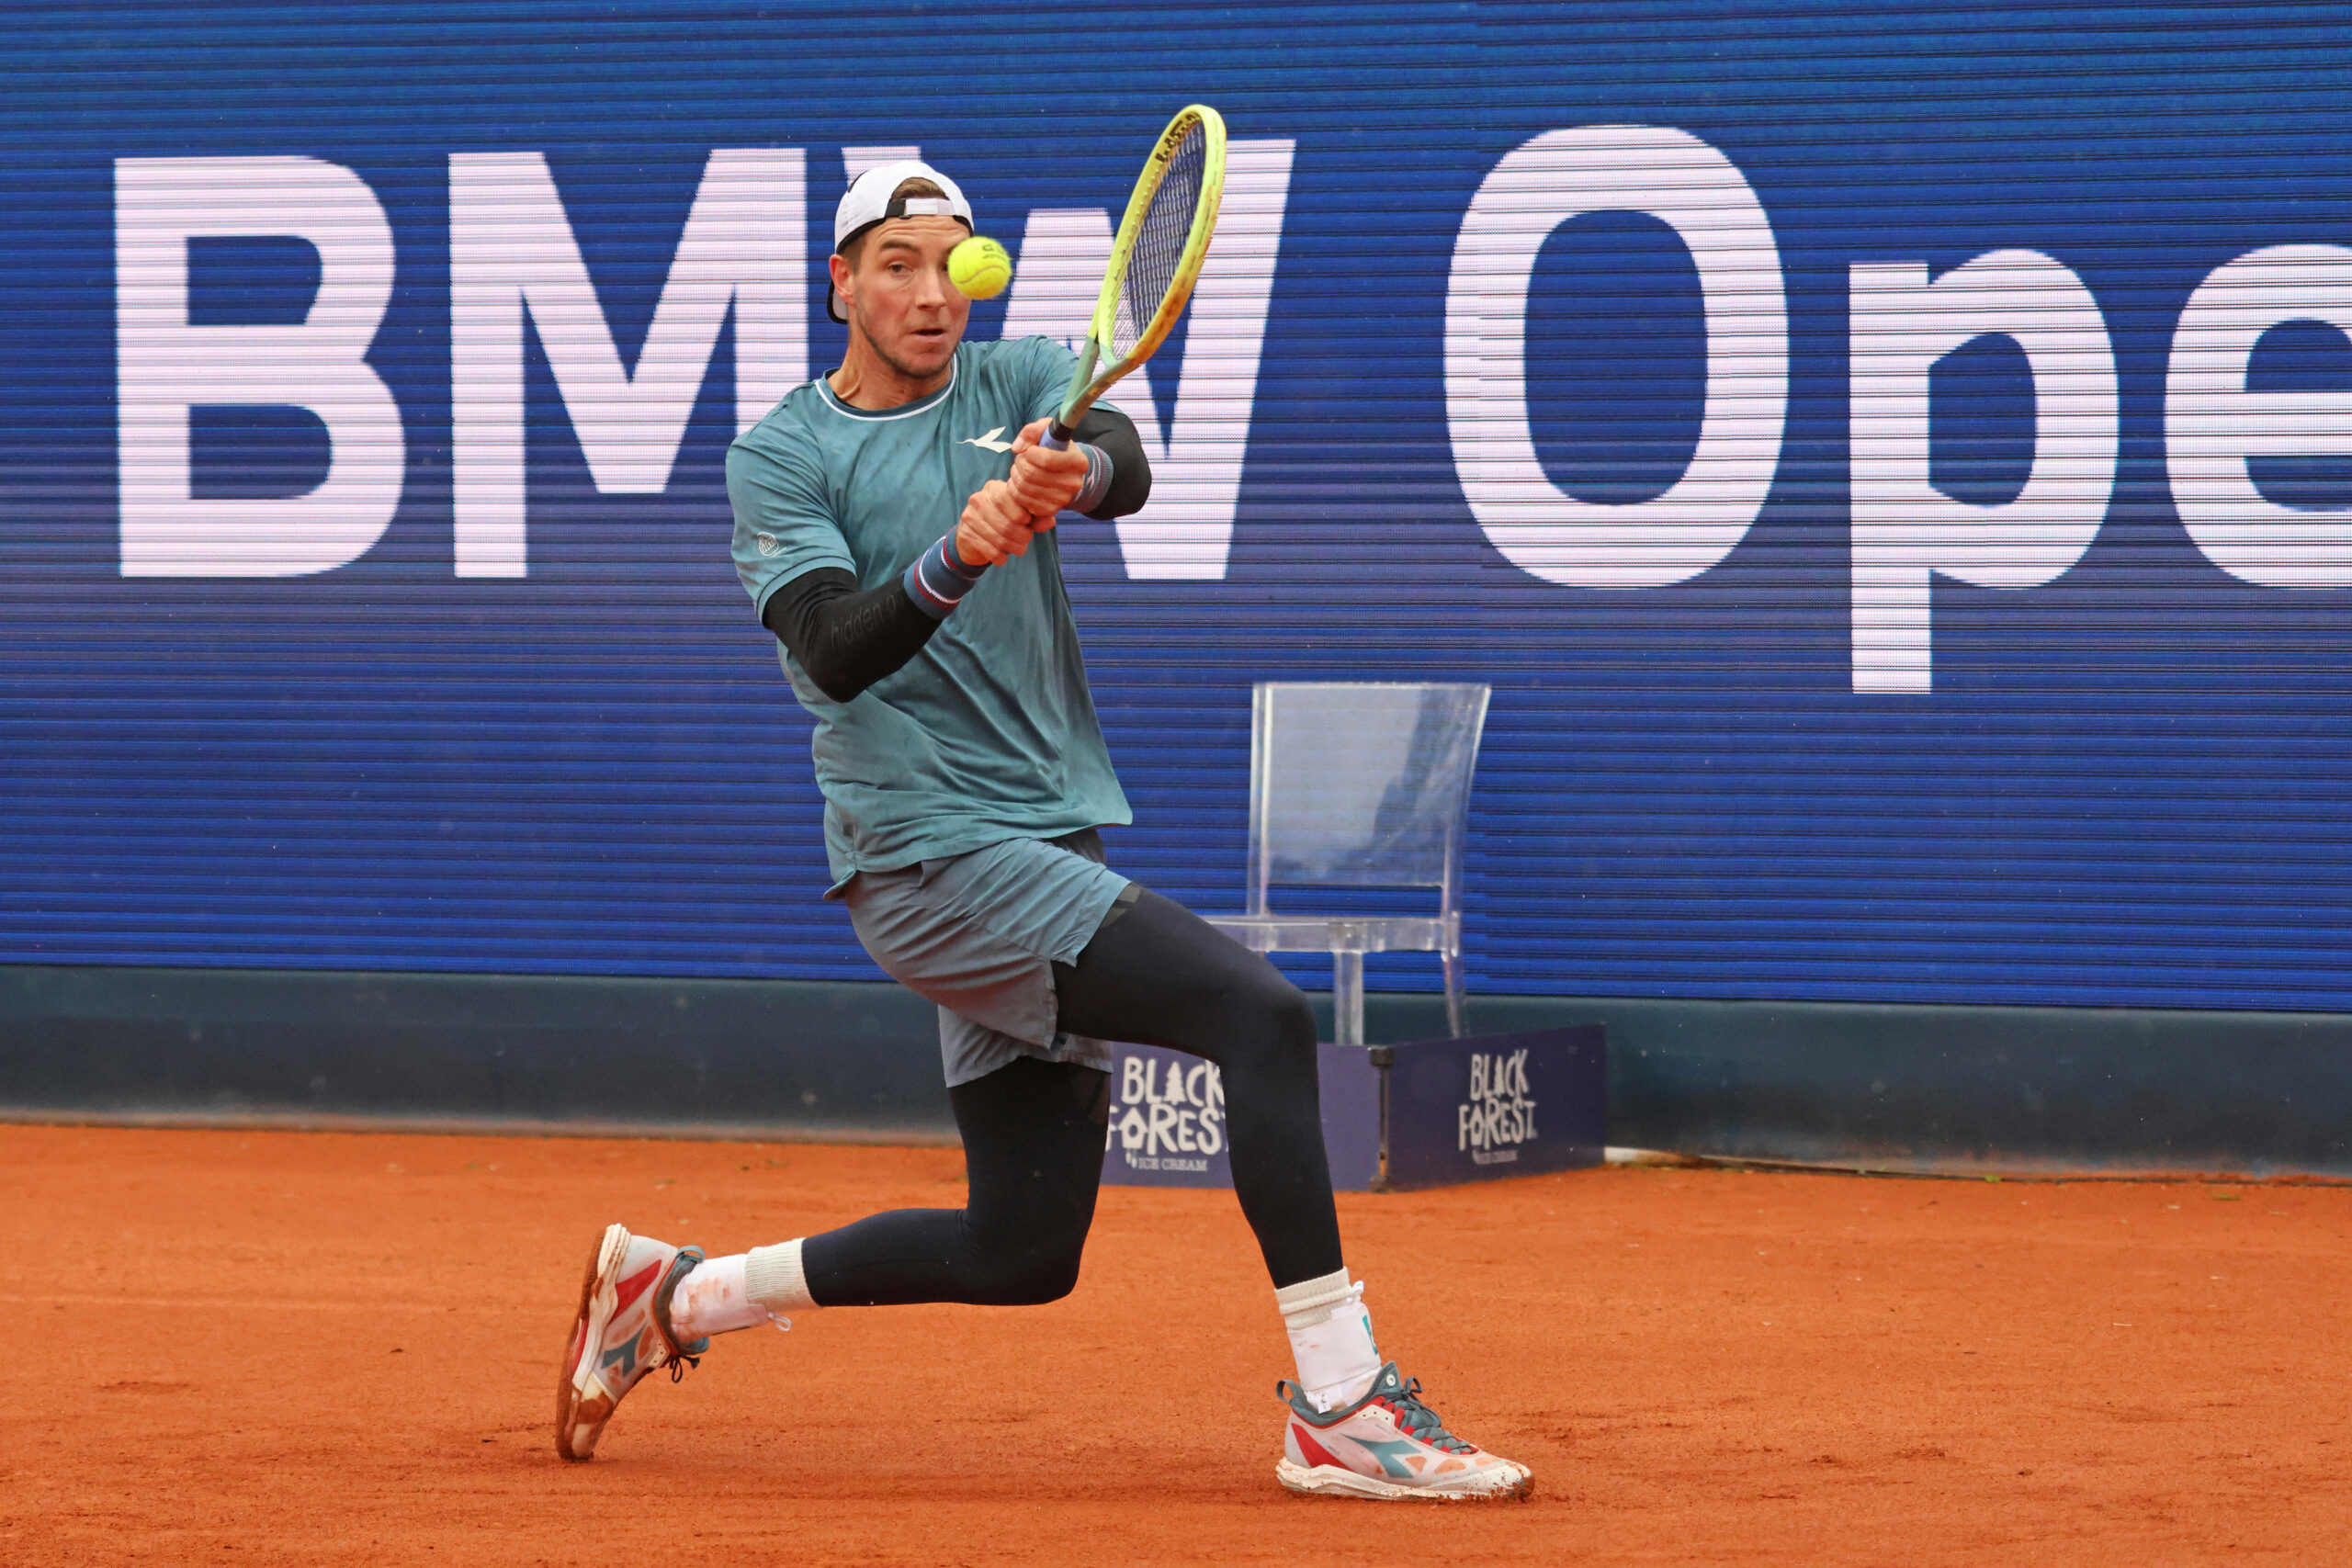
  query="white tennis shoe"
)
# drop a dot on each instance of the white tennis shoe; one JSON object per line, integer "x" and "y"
{"x": 622, "y": 1332}
{"x": 1389, "y": 1446}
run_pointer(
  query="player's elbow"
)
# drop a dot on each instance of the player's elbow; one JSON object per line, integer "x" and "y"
{"x": 1130, "y": 488}
{"x": 833, "y": 674}
{"x": 840, "y": 684}
{"x": 1114, "y": 435}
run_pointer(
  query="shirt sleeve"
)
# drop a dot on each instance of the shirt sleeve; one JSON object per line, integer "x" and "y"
{"x": 785, "y": 526}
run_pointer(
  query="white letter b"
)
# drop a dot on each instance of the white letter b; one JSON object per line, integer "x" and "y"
{"x": 164, "y": 366}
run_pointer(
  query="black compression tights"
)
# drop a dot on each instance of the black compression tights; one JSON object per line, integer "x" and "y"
{"x": 1033, "y": 1130}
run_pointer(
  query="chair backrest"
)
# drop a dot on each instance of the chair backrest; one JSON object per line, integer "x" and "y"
{"x": 1360, "y": 783}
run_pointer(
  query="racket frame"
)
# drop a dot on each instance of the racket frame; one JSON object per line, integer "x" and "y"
{"x": 1086, "y": 384}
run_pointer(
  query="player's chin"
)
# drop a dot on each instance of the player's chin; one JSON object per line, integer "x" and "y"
{"x": 928, "y": 352}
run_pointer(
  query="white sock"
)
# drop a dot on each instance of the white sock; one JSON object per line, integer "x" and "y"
{"x": 711, "y": 1300}
{"x": 742, "y": 1291}
{"x": 1331, "y": 1336}
{"x": 772, "y": 1276}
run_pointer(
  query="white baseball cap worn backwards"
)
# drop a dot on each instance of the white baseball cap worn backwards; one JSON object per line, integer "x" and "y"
{"x": 870, "y": 200}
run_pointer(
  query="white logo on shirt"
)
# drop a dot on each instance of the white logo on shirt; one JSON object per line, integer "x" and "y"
{"x": 768, "y": 546}
{"x": 987, "y": 443}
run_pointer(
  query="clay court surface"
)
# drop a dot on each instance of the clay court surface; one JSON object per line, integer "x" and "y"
{"x": 315, "y": 1348}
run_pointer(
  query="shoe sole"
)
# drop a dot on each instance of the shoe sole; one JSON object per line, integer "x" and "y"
{"x": 587, "y": 1329}
{"x": 1330, "y": 1480}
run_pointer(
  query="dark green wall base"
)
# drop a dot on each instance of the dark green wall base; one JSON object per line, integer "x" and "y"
{"x": 809, "y": 1060}
{"x": 1889, "y": 1088}
{"x": 1950, "y": 1088}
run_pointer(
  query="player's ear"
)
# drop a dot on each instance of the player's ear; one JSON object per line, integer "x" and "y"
{"x": 843, "y": 274}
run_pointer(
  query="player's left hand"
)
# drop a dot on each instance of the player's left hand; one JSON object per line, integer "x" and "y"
{"x": 995, "y": 528}
{"x": 1044, "y": 480}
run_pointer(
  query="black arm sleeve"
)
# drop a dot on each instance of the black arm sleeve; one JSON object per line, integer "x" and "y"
{"x": 845, "y": 640}
{"x": 1115, "y": 434}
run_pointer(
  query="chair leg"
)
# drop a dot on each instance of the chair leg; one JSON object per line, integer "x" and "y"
{"x": 1455, "y": 1001}
{"x": 1347, "y": 999}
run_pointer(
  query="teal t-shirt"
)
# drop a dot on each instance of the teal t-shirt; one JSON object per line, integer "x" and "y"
{"x": 988, "y": 733}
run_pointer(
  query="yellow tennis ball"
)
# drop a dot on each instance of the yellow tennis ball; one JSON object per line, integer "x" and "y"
{"x": 980, "y": 268}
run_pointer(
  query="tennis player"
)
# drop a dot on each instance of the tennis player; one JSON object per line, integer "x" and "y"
{"x": 893, "y": 527}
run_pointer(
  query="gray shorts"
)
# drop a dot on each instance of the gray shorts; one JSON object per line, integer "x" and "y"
{"x": 979, "y": 934}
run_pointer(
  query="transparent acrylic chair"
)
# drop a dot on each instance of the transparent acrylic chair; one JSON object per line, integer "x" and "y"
{"x": 1360, "y": 784}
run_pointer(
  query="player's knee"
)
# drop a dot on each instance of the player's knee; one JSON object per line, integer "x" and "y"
{"x": 1040, "y": 1275}
{"x": 1287, "y": 1015}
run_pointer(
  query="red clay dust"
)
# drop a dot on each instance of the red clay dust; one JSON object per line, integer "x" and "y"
{"x": 259, "y": 1347}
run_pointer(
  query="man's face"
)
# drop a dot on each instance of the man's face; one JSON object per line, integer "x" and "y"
{"x": 899, "y": 295}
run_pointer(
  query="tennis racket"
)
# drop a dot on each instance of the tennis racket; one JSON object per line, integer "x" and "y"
{"x": 1155, "y": 261}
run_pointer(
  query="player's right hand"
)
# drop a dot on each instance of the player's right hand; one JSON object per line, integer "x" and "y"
{"x": 995, "y": 526}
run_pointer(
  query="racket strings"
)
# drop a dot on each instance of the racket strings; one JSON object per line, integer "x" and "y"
{"x": 1167, "y": 227}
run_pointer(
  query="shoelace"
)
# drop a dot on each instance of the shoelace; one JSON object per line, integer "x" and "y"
{"x": 1421, "y": 1421}
{"x": 660, "y": 1308}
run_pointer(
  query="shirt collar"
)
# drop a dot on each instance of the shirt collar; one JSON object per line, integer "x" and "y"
{"x": 904, "y": 410}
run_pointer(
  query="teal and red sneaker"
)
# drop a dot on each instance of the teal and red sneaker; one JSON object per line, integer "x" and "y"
{"x": 622, "y": 1332}
{"x": 1390, "y": 1446}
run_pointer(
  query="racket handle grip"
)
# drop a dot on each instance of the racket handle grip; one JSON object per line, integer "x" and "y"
{"x": 1055, "y": 437}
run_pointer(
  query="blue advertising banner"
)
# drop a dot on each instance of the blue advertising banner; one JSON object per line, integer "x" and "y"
{"x": 1495, "y": 1105}
{"x": 1167, "y": 1127}
{"x": 1893, "y": 464}
{"x": 1432, "y": 1113}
